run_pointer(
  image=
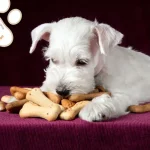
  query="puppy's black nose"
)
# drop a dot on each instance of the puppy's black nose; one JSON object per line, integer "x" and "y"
{"x": 63, "y": 92}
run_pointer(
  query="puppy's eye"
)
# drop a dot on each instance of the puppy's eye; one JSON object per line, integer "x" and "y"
{"x": 54, "y": 61}
{"x": 81, "y": 62}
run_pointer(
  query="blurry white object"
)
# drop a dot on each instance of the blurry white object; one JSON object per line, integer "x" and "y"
{"x": 4, "y": 5}
{"x": 6, "y": 36}
{"x": 14, "y": 16}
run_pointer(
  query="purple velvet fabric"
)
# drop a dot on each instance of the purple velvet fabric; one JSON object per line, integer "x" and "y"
{"x": 125, "y": 133}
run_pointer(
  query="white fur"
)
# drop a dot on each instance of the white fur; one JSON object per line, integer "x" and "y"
{"x": 122, "y": 71}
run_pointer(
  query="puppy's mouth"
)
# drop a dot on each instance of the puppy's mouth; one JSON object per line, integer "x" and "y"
{"x": 63, "y": 92}
{"x": 96, "y": 90}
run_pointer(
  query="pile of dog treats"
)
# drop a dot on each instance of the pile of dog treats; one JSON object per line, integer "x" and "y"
{"x": 30, "y": 102}
{"x": 35, "y": 103}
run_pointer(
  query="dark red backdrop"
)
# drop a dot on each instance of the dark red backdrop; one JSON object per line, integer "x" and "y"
{"x": 18, "y": 67}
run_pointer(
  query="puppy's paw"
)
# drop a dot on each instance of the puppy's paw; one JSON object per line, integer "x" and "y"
{"x": 101, "y": 108}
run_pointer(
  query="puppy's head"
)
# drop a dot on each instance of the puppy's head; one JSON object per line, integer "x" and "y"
{"x": 77, "y": 51}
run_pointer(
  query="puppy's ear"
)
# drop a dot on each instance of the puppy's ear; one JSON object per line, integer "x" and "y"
{"x": 39, "y": 33}
{"x": 107, "y": 37}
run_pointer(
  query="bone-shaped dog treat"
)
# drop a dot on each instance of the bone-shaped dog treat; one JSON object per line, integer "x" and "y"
{"x": 19, "y": 93}
{"x": 28, "y": 89}
{"x": 5, "y": 98}
{"x": 71, "y": 113}
{"x": 81, "y": 97}
{"x": 8, "y": 99}
{"x": 53, "y": 97}
{"x": 139, "y": 108}
{"x": 2, "y": 106}
{"x": 37, "y": 97}
{"x": 101, "y": 88}
{"x": 32, "y": 110}
{"x": 46, "y": 104}
{"x": 67, "y": 103}
{"x": 15, "y": 89}
{"x": 15, "y": 107}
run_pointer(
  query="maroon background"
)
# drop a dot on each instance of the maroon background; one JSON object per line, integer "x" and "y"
{"x": 18, "y": 67}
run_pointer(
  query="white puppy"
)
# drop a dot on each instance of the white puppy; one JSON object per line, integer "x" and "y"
{"x": 84, "y": 54}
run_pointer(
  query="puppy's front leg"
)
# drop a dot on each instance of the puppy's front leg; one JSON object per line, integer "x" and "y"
{"x": 105, "y": 107}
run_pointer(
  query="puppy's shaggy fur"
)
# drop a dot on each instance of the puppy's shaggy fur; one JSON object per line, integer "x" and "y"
{"x": 83, "y": 54}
